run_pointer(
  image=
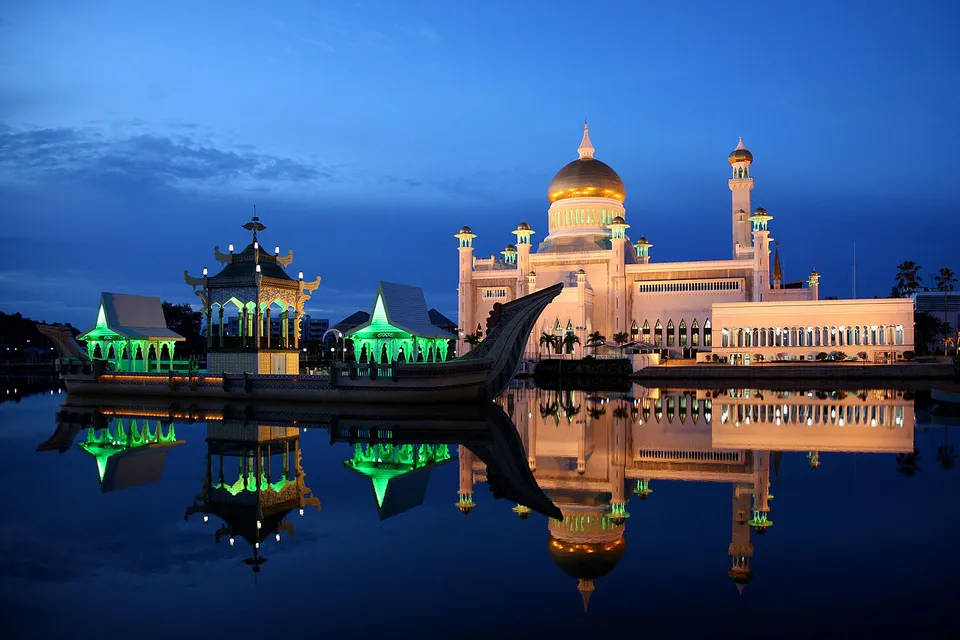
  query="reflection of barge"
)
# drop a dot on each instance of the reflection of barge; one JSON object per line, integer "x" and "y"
{"x": 481, "y": 374}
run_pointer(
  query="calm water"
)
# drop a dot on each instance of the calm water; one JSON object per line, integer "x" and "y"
{"x": 113, "y": 541}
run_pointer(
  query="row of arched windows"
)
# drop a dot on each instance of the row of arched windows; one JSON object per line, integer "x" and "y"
{"x": 812, "y": 336}
{"x": 680, "y": 335}
{"x": 873, "y": 415}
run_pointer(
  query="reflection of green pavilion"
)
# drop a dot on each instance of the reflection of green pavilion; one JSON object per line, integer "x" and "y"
{"x": 399, "y": 325}
{"x": 129, "y": 454}
{"x": 254, "y": 480}
{"x": 398, "y": 472}
{"x": 131, "y": 333}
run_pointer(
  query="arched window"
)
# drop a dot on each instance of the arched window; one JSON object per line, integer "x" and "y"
{"x": 724, "y": 337}
{"x": 646, "y": 332}
{"x": 479, "y": 330}
{"x": 683, "y": 333}
{"x": 882, "y": 334}
{"x": 856, "y": 335}
{"x": 695, "y": 334}
{"x": 634, "y": 331}
{"x": 669, "y": 333}
{"x": 658, "y": 334}
{"x": 899, "y": 334}
{"x": 707, "y": 334}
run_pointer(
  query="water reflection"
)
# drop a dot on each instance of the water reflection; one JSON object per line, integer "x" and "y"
{"x": 579, "y": 458}
{"x": 588, "y": 450}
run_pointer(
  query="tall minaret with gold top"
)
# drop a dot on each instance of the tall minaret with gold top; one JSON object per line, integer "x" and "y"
{"x": 741, "y": 184}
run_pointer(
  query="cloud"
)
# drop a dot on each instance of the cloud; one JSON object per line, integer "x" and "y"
{"x": 145, "y": 158}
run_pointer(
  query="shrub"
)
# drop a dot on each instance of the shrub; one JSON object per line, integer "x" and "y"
{"x": 758, "y": 357}
{"x": 908, "y": 355}
{"x": 822, "y": 356}
{"x": 838, "y": 356}
{"x": 862, "y": 355}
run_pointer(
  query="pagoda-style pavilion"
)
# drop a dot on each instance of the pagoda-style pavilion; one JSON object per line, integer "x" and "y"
{"x": 399, "y": 327}
{"x": 398, "y": 472}
{"x": 131, "y": 334}
{"x": 251, "y": 287}
{"x": 254, "y": 479}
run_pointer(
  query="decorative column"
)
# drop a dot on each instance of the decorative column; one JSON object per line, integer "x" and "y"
{"x": 523, "y": 233}
{"x": 269, "y": 328}
{"x": 285, "y": 327}
{"x": 465, "y": 287}
{"x": 618, "y": 285}
{"x": 813, "y": 281}
{"x": 220, "y": 313}
{"x": 296, "y": 329}
{"x": 642, "y": 247}
{"x": 761, "y": 253}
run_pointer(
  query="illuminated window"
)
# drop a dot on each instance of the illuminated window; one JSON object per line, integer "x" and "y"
{"x": 634, "y": 331}
{"x": 646, "y": 332}
{"x": 707, "y": 334}
{"x": 683, "y": 333}
{"x": 695, "y": 334}
{"x": 658, "y": 334}
{"x": 494, "y": 293}
{"x": 670, "y": 333}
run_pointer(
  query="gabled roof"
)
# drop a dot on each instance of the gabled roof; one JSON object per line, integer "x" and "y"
{"x": 352, "y": 320}
{"x": 403, "y": 307}
{"x": 437, "y": 319}
{"x": 132, "y": 316}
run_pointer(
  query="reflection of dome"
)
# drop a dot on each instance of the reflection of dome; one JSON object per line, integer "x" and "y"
{"x": 586, "y": 560}
{"x": 740, "y": 575}
{"x": 740, "y": 154}
{"x": 585, "y": 178}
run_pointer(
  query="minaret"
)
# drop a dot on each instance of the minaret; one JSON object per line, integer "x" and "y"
{"x": 618, "y": 285}
{"x": 465, "y": 501}
{"x": 643, "y": 250}
{"x": 814, "y": 282}
{"x": 740, "y": 549}
{"x": 465, "y": 289}
{"x": 761, "y": 253}
{"x": 760, "y": 521}
{"x": 777, "y": 270}
{"x": 740, "y": 185}
{"x": 523, "y": 233}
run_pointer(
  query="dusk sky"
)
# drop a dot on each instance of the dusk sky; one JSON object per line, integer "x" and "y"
{"x": 133, "y": 139}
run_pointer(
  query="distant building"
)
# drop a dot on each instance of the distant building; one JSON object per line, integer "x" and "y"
{"x": 312, "y": 328}
{"x": 943, "y": 308}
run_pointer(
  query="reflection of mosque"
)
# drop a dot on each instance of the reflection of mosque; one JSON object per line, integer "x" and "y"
{"x": 254, "y": 480}
{"x": 588, "y": 451}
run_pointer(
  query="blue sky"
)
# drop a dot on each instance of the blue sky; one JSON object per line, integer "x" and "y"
{"x": 134, "y": 138}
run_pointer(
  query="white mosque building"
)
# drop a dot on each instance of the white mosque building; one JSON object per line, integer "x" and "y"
{"x": 613, "y": 285}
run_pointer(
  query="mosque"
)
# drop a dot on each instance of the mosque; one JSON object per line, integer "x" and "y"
{"x": 613, "y": 285}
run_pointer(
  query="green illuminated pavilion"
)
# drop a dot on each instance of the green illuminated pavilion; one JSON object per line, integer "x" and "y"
{"x": 129, "y": 453}
{"x": 131, "y": 333}
{"x": 399, "y": 326}
{"x": 398, "y": 472}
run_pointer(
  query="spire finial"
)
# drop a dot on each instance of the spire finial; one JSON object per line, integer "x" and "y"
{"x": 740, "y": 144}
{"x": 777, "y": 270}
{"x": 586, "y": 147}
{"x": 585, "y": 587}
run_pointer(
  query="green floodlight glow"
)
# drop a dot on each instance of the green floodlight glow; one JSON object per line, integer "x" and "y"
{"x": 102, "y": 444}
{"x": 384, "y": 462}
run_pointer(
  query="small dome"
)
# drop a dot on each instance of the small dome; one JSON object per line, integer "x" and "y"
{"x": 759, "y": 211}
{"x": 523, "y": 226}
{"x": 643, "y": 240}
{"x": 618, "y": 220}
{"x": 466, "y": 229}
{"x": 740, "y": 154}
{"x": 586, "y": 560}
{"x": 581, "y": 272}
{"x": 511, "y": 247}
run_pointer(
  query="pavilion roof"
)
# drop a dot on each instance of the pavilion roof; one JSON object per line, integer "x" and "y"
{"x": 132, "y": 316}
{"x": 405, "y": 308}
{"x": 243, "y": 266}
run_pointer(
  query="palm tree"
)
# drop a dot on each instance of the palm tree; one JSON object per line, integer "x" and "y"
{"x": 908, "y": 279}
{"x": 945, "y": 280}
{"x": 908, "y": 463}
{"x": 946, "y": 453}
{"x": 569, "y": 340}
{"x": 549, "y": 340}
{"x": 621, "y": 339}
{"x": 595, "y": 340}
{"x": 472, "y": 339}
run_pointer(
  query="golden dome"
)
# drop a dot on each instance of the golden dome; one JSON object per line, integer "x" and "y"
{"x": 523, "y": 226}
{"x": 586, "y": 560}
{"x": 466, "y": 229}
{"x": 740, "y": 154}
{"x": 586, "y": 178}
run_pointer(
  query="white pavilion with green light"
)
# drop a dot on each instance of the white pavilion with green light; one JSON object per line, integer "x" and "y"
{"x": 131, "y": 333}
{"x": 399, "y": 327}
